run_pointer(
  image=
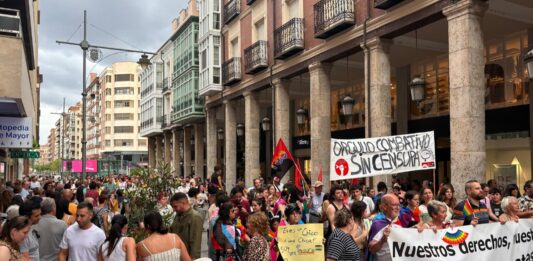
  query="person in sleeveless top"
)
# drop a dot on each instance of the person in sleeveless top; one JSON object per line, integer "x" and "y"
{"x": 117, "y": 247}
{"x": 160, "y": 245}
{"x": 338, "y": 194}
{"x": 13, "y": 233}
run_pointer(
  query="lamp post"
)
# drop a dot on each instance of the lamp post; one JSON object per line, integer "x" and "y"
{"x": 84, "y": 45}
{"x": 240, "y": 130}
{"x": 347, "y": 106}
{"x": 301, "y": 115}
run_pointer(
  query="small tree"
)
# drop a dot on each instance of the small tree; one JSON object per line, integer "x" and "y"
{"x": 143, "y": 195}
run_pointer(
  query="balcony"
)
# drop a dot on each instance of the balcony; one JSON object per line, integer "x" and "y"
{"x": 256, "y": 57}
{"x": 231, "y": 71}
{"x": 333, "y": 16}
{"x": 231, "y": 10}
{"x": 289, "y": 38}
{"x": 386, "y": 4}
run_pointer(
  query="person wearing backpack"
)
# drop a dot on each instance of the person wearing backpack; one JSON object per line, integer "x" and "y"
{"x": 101, "y": 213}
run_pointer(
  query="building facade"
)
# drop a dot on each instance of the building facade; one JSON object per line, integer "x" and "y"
{"x": 119, "y": 122}
{"x": 52, "y": 146}
{"x": 94, "y": 118}
{"x": 19, "y": 77}
{"x": 297, "y": 62}
{"x": 73, "y": 132}
{"x": 173, "y": 114}
{"x": 209, "y": 47}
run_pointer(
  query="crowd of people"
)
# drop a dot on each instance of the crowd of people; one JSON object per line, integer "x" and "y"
{"x": 87, "y": 219}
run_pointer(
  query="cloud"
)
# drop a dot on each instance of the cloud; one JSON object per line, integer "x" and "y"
{"x": 129, "y": 24}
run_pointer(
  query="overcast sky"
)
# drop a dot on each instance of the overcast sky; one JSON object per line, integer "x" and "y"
{"x": 130, "y": 24}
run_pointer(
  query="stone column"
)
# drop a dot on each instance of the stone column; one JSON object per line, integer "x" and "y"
{"x": 320, "y": 93}
{"x": 186, "y": 151}
{"x": 467, "y": 92}
{"x": 251, "y": 138}
{"x": 199, "y": 150}
{"x": 176, "y": 151}
{"x": 212, "y": 140}
{"x": 230, "y": 138}
{"x": 378, "y": 99}
{"x": 282, "y": 116}
{"x": 151, "y": 150}
{"x": 168, "y": 137}
{"x": 158, "y": 149}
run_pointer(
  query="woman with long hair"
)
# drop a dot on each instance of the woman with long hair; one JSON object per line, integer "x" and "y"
{"x": 410, "y": 213}
{"x": 259, "y": 205}
{"x": 511, "y": 190}
{"x": 14, "y": 232}
{"x": 446, "y": 195}
{"x": 225, "y": 231}
{"x": 427, "y": 196}
{"x": 117, "y": 247}
{"x": 361, "y": 225}
{"x": 160, "y": 245}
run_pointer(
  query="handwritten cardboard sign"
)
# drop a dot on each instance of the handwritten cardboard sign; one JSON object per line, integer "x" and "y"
{"x": 301, "y": 241}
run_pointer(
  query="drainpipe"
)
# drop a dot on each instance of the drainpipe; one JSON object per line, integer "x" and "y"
{"x": 367, "y": 51}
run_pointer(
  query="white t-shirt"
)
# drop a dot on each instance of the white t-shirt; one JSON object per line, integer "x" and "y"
{"x": 384, "y": 253}
{"x": 82, "y": 244}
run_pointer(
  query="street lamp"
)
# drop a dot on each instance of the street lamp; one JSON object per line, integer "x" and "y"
{"x": 528, "y": 60}
{"x": 265, "y": 123}
{"x": 144, "y": 62}
{"x": 301, "y": 115}
{"x": 417, "y": 86}
{"x": 347, "y": 105}
{"x": 220, "y": 134}
{"x": 240, "y": 130}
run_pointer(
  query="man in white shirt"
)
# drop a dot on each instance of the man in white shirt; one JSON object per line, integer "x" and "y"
{"x": 381, "y": 227}
{"x": 357, "y": 195}
{"x": 315, "y": 202}
{"x": 82, "y": 240}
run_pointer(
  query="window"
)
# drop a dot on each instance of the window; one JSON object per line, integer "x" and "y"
{"x": 235, "y": 47}
{"x": 216, "y": 21}
{"x": 203, "y": 61}
{"x": 108, "y": 78}
{"x": 260, "y": 33}
{"x": 108, "y": 117}
{"x": 142, "y": 142}
{"x": 216, "y": 75}
{"x": 108, "y": 143}
{"x": 124, "y": 78}
{"x": 123, "y": 104}
{"x": 216, "y": 55}
{"x": 216, "y": 5}
{"x": 123, "y": 143}
{"x": 124, "y": 90}
{"x": 108, "y": 104}
{"x": 123, "y": 116}
{"x": 107, "y": 130}
{"x": 123, "y": 129}
{"x": 108, "y": 91}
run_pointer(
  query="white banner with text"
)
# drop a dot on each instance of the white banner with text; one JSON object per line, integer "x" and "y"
{"x": 361, "y": 158}
{"x": 494, "y": 241}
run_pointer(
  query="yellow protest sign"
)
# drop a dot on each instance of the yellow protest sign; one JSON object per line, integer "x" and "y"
{"x": 301, "y": 241}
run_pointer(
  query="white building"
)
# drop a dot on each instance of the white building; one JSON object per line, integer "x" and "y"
{"x": 209, "y": 37}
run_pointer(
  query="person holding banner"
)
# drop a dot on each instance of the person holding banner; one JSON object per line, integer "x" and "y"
{"x": 471, "y": 211}
{"x": 341, "y": 245}
{"x": 526, "y": 202}
{"x": 510, "y": 210}
{"x": 378, "y": 247}
{"x": 438, "y": 212}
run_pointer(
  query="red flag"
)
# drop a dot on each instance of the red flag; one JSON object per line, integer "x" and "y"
{"x": 282, "y": 160}
{"x": 320, "y": 174}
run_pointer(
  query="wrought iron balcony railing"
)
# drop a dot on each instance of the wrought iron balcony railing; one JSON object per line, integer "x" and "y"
{"x": 231, "y": 10}
{"x": 332, "y": 16}
{"x": 256, "y": 57}
{"x": 289, "y": 38}
{"x": 231, "y": 71}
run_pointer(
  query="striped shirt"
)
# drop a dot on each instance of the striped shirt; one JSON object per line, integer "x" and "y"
{"x": 342, "y": 247}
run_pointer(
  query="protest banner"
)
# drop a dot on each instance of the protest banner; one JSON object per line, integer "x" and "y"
{"x": 494, "y": 241}
{"x": 361, "y": 158}
{"x": 301, "y": 241}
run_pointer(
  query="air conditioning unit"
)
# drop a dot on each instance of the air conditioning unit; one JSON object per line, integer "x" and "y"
{"x": 10, "y": 22}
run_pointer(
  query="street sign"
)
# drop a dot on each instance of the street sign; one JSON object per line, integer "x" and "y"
{"x": 18, "y": 154}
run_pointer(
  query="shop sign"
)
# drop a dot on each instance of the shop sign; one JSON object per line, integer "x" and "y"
{"x": 361, "y": 158}
{"x": 303, "y": 142}
{"x": 16, "y": 132}
{"x": 18, "y": 154}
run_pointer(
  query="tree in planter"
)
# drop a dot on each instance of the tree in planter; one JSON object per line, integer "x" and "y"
{"x": 142, "y": 196}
